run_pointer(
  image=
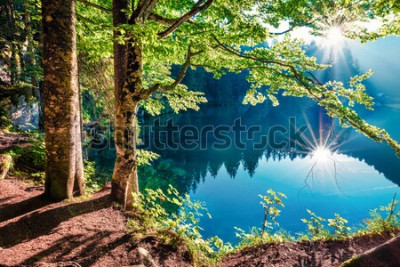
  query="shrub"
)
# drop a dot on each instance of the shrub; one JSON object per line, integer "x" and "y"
{"x": 315, "y": 226}
{"x": 384, "y": 219}
{"x": 151, "y": 216}
{"x": 270, "y": 203}
{"x": 33, "y": 156}
{"x": 339, "y": 225}
{"x": 93, "y": 181}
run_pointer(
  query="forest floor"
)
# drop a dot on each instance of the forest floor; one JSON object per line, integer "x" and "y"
{"x": 90, "y": 232}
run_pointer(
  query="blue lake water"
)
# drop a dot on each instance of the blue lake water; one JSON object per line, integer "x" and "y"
{"x": 358, "y": 176}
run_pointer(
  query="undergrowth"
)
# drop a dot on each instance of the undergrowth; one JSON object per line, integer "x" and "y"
{"x": 29, "y": 161}
{"x": 181, "y": 226}
{"x": 175, "y": 217}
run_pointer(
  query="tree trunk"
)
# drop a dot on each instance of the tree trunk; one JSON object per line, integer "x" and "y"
{"x": 13, "y": 59}
{"x": 127, "y": 81}
{"x": 30, "y": 50}
{"x": 120, "y": 50}
{"x": 385, "y": 255}
{"x": 125, "y": 178}
{"x": 64, "y": 169}
{"x": 40, "y": 82}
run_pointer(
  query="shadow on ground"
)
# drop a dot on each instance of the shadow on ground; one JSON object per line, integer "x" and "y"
{"x": 37, "y": 222}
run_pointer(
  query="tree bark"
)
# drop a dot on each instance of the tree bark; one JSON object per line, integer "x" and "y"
{"x": 64, "y": 169}
{"x": 125, "y": 178}
{"x": 385, "y": 255}
{"x": 120, "y": 50}
{"x": 127, "y": 81}
{"x": 30, "y": 49}
{"x": 13, "y": 58}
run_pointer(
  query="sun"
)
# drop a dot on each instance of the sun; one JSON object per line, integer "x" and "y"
{"x": 332, "y": 41}
{"x": 334, "y": 36}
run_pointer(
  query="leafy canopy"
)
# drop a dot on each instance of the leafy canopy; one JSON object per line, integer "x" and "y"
{"x": 229, "y": 36}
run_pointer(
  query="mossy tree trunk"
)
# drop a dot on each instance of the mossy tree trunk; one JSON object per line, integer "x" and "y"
{"x": 64, "y": 168}
{"x": 11, "y": 26}
{"x": 129, "y": 91}
{"x": 125, "y": 178}
{"x": 387, "y": 254}
{"x": 120, "y": 49}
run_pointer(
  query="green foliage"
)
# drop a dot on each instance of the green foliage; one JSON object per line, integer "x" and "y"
{"x": 94, "y": 31}
{"x": 256, "y": 237}
{"x": 226, "y": 37}
{"x": 93, "y": 181}
{"x": 154, "y": 176}
{"x": 34, "y": 155}
{"x": 386, "y": 13}
{"x": 36, "y": 152}
{"x": 30, "y": 161}
{"x": 179, "y": 225}
{"x": 152, "y": 217}
{"x": 144, "y": 157}
{"x": 315, "y": 226}
{"x": 270, "y": 203}
{"x": 5, "y": 120}
{"x": 19, "y": 40}
{"x": 97, "y": 84}
{"x": 384, "y": 219}
{"x": 317, "y": 231}
{"x": 340, "y": 229}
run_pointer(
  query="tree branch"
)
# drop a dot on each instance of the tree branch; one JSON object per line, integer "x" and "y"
{"x": 161, "y": 19}
{"x": 292, "y": 28}
{"x": 145, "y": 94}
{"x": 82, "y": 19}
{"x": 293, "y": 69}
{"x": 143, "y": 10}
{"x": 184, "y": 68}
{"x": 198, "y": 7}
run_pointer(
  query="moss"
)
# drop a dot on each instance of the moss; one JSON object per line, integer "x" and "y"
{"x": 353, "y": 262}
{"x": 58, "y": 190}
{"x": 5, "y": 164}
{"x": 78, "y": 199}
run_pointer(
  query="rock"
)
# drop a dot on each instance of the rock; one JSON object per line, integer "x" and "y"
{"x": 25, "y": 115}
{"x": 5, "y": 164}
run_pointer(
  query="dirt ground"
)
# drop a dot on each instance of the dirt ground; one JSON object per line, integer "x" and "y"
{"x": 35, "y": 232}
{"x": 307, "y": 254}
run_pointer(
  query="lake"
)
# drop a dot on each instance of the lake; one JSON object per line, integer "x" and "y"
{"x": 227, "y": 154}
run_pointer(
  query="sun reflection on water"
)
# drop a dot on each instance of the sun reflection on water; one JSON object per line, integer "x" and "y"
{"x": 321, "y": 154}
